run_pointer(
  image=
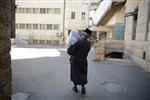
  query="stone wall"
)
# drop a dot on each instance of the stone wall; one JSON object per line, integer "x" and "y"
{"x": 136, "y": 49}
{"x": 5, "y": 46}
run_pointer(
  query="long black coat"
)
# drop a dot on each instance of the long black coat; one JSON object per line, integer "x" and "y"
{"x": 78, "y": 60}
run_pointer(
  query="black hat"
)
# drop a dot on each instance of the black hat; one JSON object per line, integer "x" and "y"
{"x": 88, "y": 32}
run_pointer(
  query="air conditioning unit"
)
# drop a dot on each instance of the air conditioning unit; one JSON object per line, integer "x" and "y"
{"x": 58, "y": 34}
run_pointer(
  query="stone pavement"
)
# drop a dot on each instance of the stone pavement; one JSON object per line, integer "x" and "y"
{"x": 43, "y": 74}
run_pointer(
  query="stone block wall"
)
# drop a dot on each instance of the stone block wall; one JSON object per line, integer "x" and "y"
{"x": 138, "y": 48}
{"x": 5, "y": 46}
{"x": 99, "y": 51}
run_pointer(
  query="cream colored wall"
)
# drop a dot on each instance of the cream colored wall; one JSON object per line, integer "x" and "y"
{"x": 78, "y": 8}
{"x": 134, "y": 48}
{"x": 77, "y": 23}
{"x": 117, "y": 18}
{"x": 109, "y": 35}
{"x": 112, "y": 21}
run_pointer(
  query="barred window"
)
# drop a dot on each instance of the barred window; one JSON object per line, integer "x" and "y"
{"x": 56, "y": 10}
{"x": 21, "y": 10}
{"x": 42, "y": 10}
{"x": 42, "y": 26}
{"x": 29, "y": 10}
{"x": 49, "y": 27}
{"x": 41, "y": 41}
{"x": 28, "y": 26}
{"x": 21, "y": 26}
{"x": 35, "y": 10}
{"x": 38, "y": 26}
{"x": 39, "y": 10}
{"x": 55, "y": 42}
{"x": 35, "y": 41}
{"x": 56, "y": 26}
{"x": 35, "y": 26}
{"x": 72, "y": 15}
{"x": 50, "y": 10}
{"x": 83, "y": 15}
{"x": 48, "y": 41}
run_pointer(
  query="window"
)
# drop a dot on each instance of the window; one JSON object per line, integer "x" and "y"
{"x": 50, "y": 10}
{"x": 35, "y": 41}
{"x": 42, "y": 10}
{"x": 35, "y": 10}
{"x": 21, "y": 26}
{"x": 144, "y": 55}
{"x": 41, "y": 42}
{"x": 56, "y": 26}
{"x": 49, "y": 27}
{"x": 102, "y": 35}
{"x": 56, "y": 10}
{"x": 28, "y": 10}
{"x": 17, "y": 10}
{"x": 42, "y": 26}
{"x": 39, "y": 10}
{"x": 118, "y": 31}
{"x": 135, "y": 18}
{"x": 83, "y": 15}
{"x": 55, "y": 42}
{"x": 72, "y": 15}
{"x": 48, "y": 41}
{"x": 35, "y": 26}
{"x": 28, "y": 26}
{"x": 21, "y": 10}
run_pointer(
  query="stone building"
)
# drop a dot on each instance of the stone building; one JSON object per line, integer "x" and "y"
{"x": 7, "y": 7}
{"x": 77, "y": 15}
{"x": 137, "y": 32}
{"x": 49, "y": 21}
{"x": 39, "y": 21}
{"x": 108, "y": 19}
{"x": 5, "y": 46}
{"x": 134, "y": 18}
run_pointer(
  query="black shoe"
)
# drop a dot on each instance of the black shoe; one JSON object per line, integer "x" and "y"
{"x": 83, "y": 91}
{"x": 75, "y": 89}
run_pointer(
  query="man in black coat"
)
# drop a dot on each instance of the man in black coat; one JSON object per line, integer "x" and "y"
{"x": 78, "y": 60}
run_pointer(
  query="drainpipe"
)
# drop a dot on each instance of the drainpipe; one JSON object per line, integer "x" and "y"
{"x": 64, "y": 21}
